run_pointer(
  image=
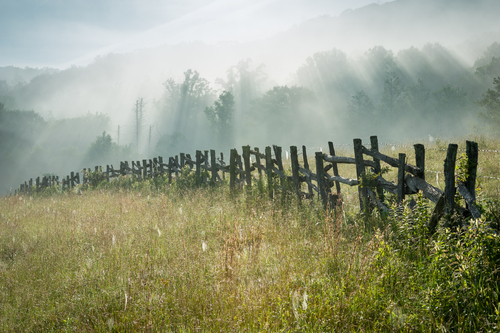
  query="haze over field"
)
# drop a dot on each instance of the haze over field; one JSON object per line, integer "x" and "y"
{"x": 296, "y": 72}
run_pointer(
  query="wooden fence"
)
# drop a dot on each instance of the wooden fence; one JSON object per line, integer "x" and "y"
{"x": 323, "y": 183}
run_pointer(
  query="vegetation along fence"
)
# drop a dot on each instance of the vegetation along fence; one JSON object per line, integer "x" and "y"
{"x": 323, "y": 183}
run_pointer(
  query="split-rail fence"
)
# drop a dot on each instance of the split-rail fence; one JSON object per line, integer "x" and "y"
{"x": 318, "y": 183}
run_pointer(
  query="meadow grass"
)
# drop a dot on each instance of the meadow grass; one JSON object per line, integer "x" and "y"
{"x": 128, "y": 257}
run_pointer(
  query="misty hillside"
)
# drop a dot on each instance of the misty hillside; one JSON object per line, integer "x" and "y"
{"x": 123, "y": 77}
{"x": 403, "y": 70}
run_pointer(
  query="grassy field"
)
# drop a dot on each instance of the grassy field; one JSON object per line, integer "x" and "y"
{"x": 145, "y": 257}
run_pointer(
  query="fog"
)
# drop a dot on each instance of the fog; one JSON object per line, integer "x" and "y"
{"x": 153, "y": 75}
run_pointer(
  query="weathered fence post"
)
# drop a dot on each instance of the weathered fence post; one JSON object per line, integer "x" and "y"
{"x": 170, "y": 167}
{"x": 378, "y": 168}
{"x": 420, "y": 159}
{"x": 248, "y": 174}
{"x": 401, "y": 178}
{"x": 183, "y": 160}
{"x": 144, "y": 169}
{"x": 360, "y": 172}
{"x": 232, "y": 170}
{"x": 320, "y": 175}
{"x": 472, "y": 158}
{"x": 239, "y": 167}
{"x": 37, "y": 180}
{"x": 151, "y": 171}
{"x": 449, "y": 178}
{"x": 334, "y": 167}
{"x": 269, "y": 172}
{"x": 257, "y": 160}
{"x": 176, "y": 160}
{"x": 155, "y": 167}
{"x": 277, "y": 154}
{"x": 77, "y": 178}
{"x": 222, "y": 165}
{"x": 205, "y": 160}
{"x": 198, "y": 168}
{"x": 295, "y": 170}
{"x": 160, "y": 162}
{"x": 107, "y": 173}
{"x": 306, "y": 166}
{"x": 213, "y": 168}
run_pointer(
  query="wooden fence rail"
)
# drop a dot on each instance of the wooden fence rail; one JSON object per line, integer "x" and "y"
{"x": 325, "y": 181}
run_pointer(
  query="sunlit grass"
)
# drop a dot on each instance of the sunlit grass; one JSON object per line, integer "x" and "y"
{"x": 203, "y": 260}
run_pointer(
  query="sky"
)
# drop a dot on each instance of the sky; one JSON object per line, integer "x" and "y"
{"x": 61, "y": 33}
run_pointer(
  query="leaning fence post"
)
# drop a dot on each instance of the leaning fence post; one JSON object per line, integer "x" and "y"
{"x": 170, "y": 167}
{"x": 144, "y": 169}
{"x": 232, "y": 169}
{"x": 334, "y": 167}
{"x": 155, "y": 166}
{"x": 277, "y": 154}
{"x": 151, "y": 170}
{"x": 248, "y": 174}
{"x": 222, "y": 165}
{"x": 176, "y": 159}
{"x": 205, "y": 160}
{"x": 198, "y": 168}
{"x": 320, "y": 175}
{"x": 160, "y": 162}
{"x": 449, "y": 178}
{"x": 295, "y": 170}
{"x": 240, "y": 172}
{"x": 257, "y": 160}
{"x": 269, "y": 171}
{"x": 306, "y": 166}
{"x": 360, "y": 172}
{"x": 213, "y": 162}
{"x": 401, "y": 178}
{"x": 378, "y": 168}
{"x": 472, "y": 158}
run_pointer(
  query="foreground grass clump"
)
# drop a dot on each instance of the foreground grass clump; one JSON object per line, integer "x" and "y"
{"x": 183, "y": 261}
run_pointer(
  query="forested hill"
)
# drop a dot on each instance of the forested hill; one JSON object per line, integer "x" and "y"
{"x": 404, "y": 23}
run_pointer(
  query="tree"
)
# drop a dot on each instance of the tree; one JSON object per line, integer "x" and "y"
{"x": 104, "y": 151}
{"x": 183, "y": 103}
{"x": 171, "y": 144}
{"x": 220, "y": 116}
{"x": 244, "y": 83}
{"x": 491, "y": 105}
{"x": 393, "y": 96}
{"x": 361, "y": 110}
{"x": 281, "y": 113}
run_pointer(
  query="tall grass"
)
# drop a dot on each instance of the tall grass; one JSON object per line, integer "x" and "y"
{"x": 131, "y": 256}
